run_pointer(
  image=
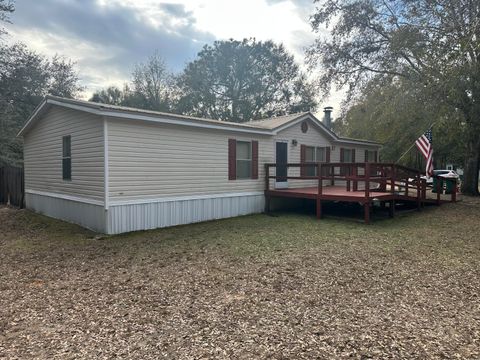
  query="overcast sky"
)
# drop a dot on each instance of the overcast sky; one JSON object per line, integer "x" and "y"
{"x": 107, "y": 37}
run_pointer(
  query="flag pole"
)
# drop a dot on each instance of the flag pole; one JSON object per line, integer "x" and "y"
{"x": 405, "y": 153}
{"x": 410, "y": 148}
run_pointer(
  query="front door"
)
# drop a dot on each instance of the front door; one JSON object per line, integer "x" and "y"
{"x": 281, "y": 159}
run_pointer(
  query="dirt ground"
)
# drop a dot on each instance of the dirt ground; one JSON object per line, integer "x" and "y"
{"x": 254, "y": 287}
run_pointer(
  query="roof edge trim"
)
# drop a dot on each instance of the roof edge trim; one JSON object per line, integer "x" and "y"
{"x": 173, "y": 119}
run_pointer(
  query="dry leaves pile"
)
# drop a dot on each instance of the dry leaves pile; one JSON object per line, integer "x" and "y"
{"x": 256, "y": 287}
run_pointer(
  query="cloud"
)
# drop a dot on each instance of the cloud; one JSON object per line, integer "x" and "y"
{"x": 107, "y": 40}
{"x": 304, "y": 8}
{"x": 176, "y": 10}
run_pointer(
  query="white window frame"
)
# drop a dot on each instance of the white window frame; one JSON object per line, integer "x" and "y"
{"x": 238, "y": 159}
{"x": 309, "y": 171}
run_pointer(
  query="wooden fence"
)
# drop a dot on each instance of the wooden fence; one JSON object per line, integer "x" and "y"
{"x": 12, "y": 188}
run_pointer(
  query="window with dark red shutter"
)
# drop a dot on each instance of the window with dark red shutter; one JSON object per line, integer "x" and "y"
{"x": 242, "y": 159}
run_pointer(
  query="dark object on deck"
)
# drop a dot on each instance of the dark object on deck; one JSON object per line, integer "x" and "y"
{"x": 12, "y": 188}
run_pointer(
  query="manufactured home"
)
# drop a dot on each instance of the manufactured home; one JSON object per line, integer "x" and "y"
{"x": 114, "y": 169}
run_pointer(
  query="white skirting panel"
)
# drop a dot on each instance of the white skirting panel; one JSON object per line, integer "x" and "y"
{"x": 164, "y": 212}
{"x": 90, "y": 216}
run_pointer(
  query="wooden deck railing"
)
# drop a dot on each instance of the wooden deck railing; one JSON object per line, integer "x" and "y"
{"x": 388, "y": 177}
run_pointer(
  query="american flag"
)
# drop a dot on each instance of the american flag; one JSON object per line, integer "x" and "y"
{"x": 424, "y": 144}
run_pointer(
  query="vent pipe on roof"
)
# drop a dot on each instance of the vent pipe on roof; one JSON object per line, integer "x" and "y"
{"x": 327, "y": 117}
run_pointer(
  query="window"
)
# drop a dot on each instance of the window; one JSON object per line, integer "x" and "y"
{"x": 347, "y": 156}
{"x": 321, "y": 155}
{"x": 313, "y": 155}
{"x": 309, "y": 154}
{"x": 67, "y": 158}
{"x": 244, "y": 160}
{"x": 370, "y": 156}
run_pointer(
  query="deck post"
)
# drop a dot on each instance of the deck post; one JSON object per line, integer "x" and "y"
{"x": 366, "y": 205}
{"x": 320, "y": 191}
{"x": 267, "y": 204}
{"x": 332, "y": 169}
{"x": 391, "y": 208}
{"x": 392, "y": 190}
{"x": 438, "y": 189}
{"x": 320, "y": 182}
{"x": 367, "y": 181}
{"x": 319, "y": 207}
{"x": 366, "y": 209}
{"x": 424, "y": 191}
{"x": 418, "y": 191}
{"x": 346, "y": 174}
{"x": 355, "y": 182}
{"x": 383, "y": 183}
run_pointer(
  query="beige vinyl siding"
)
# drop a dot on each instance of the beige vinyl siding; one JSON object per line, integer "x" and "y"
{"x": 43, "y": 154}
{"x": 149, "y": 161}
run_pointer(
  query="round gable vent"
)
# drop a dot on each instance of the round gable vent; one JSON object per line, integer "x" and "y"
{"x": 304, "y": 127}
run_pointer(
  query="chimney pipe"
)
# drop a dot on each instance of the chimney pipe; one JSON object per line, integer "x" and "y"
{"x": 327, "y": 117}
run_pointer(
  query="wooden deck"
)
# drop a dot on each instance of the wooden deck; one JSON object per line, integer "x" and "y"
{"x": 362, "y": 183}
{"x": 333, "y": 193}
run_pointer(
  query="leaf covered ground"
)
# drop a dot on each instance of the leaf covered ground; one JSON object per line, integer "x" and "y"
{"x": 253, "y": 287}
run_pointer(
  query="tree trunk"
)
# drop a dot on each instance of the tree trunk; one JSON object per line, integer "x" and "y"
{"x": 470, "y": 172}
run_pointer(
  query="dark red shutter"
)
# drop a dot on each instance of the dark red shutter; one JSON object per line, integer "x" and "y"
{"x": 366, "y": 155}
{"x": 376, "y": 156}
{"x": 232, "y": 159}
{"x": 326, "y": 170}
{"x": 254, "y": 159}
{"x": 303, "y": 151}
{"x": 342, "y": 159}
{"x": 353, "y": 155}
